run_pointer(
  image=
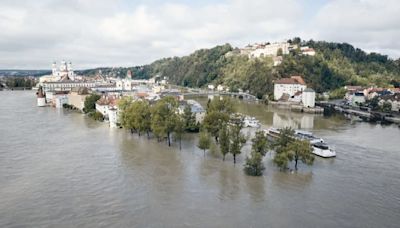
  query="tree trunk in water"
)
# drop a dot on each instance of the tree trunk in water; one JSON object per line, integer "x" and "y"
{"x": 139, "y": 133}
{"x": 169, "y": 139}
{"x": 295, "y": 163}
{"x": 131, "y": 131}
{"x": 148, "y": 135}
{"x": 234, "y": 158}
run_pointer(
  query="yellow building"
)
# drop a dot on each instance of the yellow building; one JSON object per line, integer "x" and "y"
{"x": 77, "y": 97}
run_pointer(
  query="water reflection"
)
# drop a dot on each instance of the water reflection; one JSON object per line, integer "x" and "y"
{"x": 281, "y": 120}
{"x": 255, "y": 186}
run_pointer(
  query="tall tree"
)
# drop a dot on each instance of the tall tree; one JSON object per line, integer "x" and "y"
{"x": 301, "y": 150}
{"x": 179, "y": 130}
{"x": 164, "y": 116}
{"x": 260, "y": 143}
{"x": 90, "y": 103}
{"x": 204, "y": 141}
{"x": 224, "y": 143}
{"x": 237, "y": 140}
{"x": 289, "y": 149}
{"x": 190, "y": 120}
{"x": 253, "y": 165}
{"x": 218, "y": 113}
{"x": 140, "y": 116}
{"x": 285, "y": 138}
{"x": 123, "y": 106}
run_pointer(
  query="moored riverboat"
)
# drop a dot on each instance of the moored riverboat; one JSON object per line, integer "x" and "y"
{"x": 320, "y": 148}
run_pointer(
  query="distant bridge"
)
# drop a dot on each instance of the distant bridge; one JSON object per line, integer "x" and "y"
{"x": 367, "y": 114}
{"x": 218, "y": 93}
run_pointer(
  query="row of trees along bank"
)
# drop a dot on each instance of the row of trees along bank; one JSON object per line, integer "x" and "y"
{"x": 162, "y": 120}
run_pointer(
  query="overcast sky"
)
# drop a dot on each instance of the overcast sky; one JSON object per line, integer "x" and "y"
{"x": 93, "y": 33}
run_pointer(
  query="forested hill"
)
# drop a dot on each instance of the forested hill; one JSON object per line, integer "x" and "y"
{"x": 334, "y": 65}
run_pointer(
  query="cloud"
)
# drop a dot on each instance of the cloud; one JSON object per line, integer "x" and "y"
{"x": 94, "y": 33}
{"x": 369, "y": 24}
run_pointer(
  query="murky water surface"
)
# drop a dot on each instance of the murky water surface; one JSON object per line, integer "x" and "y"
{"x": 61, "y": 169}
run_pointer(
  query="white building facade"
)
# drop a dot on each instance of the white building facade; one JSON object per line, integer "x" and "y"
{"x": 308, "y": 98}
{"x": 288, "y": 86}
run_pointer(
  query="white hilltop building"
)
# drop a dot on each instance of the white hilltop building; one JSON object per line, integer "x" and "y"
{"x": 258, "y": 50}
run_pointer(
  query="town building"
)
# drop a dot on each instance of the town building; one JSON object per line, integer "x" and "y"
{"x": 393, "y": 99}
{"x": 267, "y": 49}
{"x": 220, "y": 88}
{"x": 77, "y": 97}
{"x": 308, "y": 98}
{"x": 307, "y": 51}
{"x": 113, "y": 117}
{"x": 195, "y": 108}
{"x": 63, "y": 72}
{"x": 277, "y": 60}
{"x": 41, "y": 97}
{"x": 60, "y": 100}
{"x": 357, "y": 98}
{"x": 288, "y": 86}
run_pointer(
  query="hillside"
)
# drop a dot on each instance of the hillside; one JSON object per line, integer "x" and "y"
{"x": 334, "y": 65}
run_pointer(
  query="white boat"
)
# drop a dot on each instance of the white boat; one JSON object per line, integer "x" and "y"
{"x": 323, "y": 150}
{"x": 250, "y": 122}
{"x": 320, "y": 148}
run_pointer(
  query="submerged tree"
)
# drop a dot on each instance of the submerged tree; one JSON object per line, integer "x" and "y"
{"x": 90, "y": 103}
{"x": 141, "y": 116}
{"x": 218, "y": 113}
{"x": 179, "y": 129}
{"x": 224, "y": 143}
{"x": 123, "y": 106}
{"x": 289, "y": 149}
{"x": 301, "y": 150}
{"x": 204, "y": 141}
{"x": 164, "y": 116}
{"x": 237, "y": 140}
{"x": 190, "y": 120}
{"x": 253, "y": 165}
{"x": 260, "y": 143}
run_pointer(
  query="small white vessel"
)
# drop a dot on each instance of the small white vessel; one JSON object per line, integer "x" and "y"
{"x": 320, "y": 148}
{"x": 323, "y": 150}
{"x": 251, "y": 122}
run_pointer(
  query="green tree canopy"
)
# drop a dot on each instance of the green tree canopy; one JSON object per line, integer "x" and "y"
{"x": 260, "y": 143}
{"x": 204, "y": 141}
{"x": 237, "y": 140}
{"x": 90, "y": 103}
{"x": 164, "y": 117}
{"x": 253, "y": 165}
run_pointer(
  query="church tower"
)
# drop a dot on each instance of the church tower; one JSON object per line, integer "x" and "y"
{"x": 129, "y": 74}
{"x": 54, "y": 68}
{"x": 70, "y": 71}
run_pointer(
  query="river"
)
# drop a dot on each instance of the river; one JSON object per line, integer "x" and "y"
{"x": 61, "y": 169}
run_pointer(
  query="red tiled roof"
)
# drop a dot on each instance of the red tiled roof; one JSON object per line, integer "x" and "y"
{"x": 291, "y": 80}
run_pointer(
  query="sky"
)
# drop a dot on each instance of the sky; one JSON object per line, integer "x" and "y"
{"x": 96, "y": 33}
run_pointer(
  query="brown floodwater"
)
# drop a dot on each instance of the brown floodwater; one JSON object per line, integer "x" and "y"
{"x": 61, "y": 169}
